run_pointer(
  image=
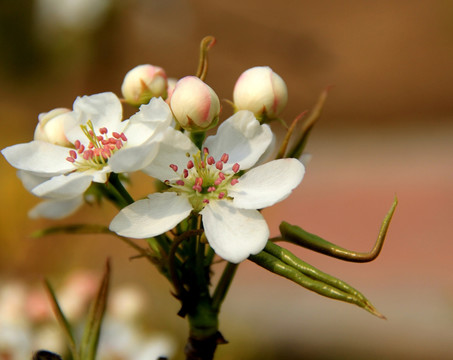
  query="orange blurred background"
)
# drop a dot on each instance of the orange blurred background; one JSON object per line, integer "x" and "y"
{"x": 387, "y": 129}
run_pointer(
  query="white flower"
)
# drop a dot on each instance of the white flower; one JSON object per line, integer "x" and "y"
{"x": 102, "y": 143}
{"x": 261, "y": 91}
{"x": 208, "y": 182}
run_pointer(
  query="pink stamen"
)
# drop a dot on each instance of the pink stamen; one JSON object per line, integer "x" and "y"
{"x": 73, "y": 154}
{"x": 190, "y": 164}
{"x": 70, "y": 159}
{"x": 221, "y": 195}
{"x": 185, "y": 173}
{"x": 105, "y": 141}
{"x": 81, "y": 149}
{"x": 219, "y": 165}
{"x": 77, "y": 144}
{"x": 180, "y": 182}
{"x": 205, "y": 151}
{"x": 202, "y": 165}
{"x": 234, "y": 181}
{"x": 206, "y": 201}
{"x": 199, "y": 181}
{"x": 222, "y": 176}
{"x": 218, "y": 181}
{"x": 174, "y": 167}
{"x": 90, "y": 145}
{"x": 119, "y": 144}
{"x": 113, "y": 140}
{"x": 211, "y": 189}
{"x": 116, "y": 135}
{"x": 225, "y": 158}
{"x": 210, "y": 160}
{"x": 88, "y": 154}
{"x": 103, "y": 130}
{"x": 197, "y": 188}
{"x": 99, "y": 137}
{"x": 123, "y": 137}
{"x": 236, "y": 168}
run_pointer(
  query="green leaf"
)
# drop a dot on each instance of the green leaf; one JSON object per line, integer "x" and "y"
{"x": 90, "y": 339}
{"x": 63, "y": 322}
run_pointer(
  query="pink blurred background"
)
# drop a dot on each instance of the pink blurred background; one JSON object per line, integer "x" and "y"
{"x": 387, "y": 130}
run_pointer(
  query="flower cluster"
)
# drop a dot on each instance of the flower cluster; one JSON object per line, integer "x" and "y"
{"x": 217, "y": 179}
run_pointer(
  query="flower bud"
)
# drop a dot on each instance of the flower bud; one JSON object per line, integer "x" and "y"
{"x": 195, "y": 105}
{"x": 143, "y": 83}
{"x": 51, "y": 126}
{"x": 261, "y": 91}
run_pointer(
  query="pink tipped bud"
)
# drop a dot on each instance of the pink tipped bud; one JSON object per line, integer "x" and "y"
{"x": 261, "y": 91}
{"x": 143, "y": 83}
{"x": 194, "y": 104}
{"x": 51, "y": 126}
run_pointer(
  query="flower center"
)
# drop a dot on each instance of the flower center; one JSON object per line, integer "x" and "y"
{"x": 100, "y": 148}
{"x": 203, "y": 179}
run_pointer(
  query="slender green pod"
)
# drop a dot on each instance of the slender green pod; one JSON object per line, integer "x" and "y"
{"x": 296, "y": 235}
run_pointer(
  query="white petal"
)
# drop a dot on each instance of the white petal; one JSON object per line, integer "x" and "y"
{"x": 56, "y": 209}
{"x": 104, "y": 110}
{"x": 242, "y": 137}
{"x": 133, "y": 158}
{"x": 233, "y": 233}
{"x": 64, "y": 186}
{"x": 30, "y": 180}
{"x": 172, "y": 150}
{"x": 39, "y": 157}
{"x": 153, "y": 216}
{"x": 267, "y": 184}
{"x": 151, "y": 118}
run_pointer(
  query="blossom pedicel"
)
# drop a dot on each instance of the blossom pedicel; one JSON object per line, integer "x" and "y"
{"x": 195, "y": 105}
{"x": 261, "y": 91}
{"x": 143, "y": 83}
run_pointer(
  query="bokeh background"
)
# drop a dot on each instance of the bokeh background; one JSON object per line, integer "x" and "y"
{"x": 387, "y": 129}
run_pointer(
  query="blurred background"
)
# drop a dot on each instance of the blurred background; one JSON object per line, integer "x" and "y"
{"x": 387, "y": 129}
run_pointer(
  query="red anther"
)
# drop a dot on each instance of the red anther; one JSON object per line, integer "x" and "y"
{"x": 99, "y": 137}
{"x": 197, "y": 188}
{"x": 206, "y": 201}
{"x": 174, "y": 167}
{"x": 70, "y": 159}
{"x": 106, "y": 151}
{"x": 91, "y": 132}
{"x": 225, "y": 158}
{"x": 111, "y": 147}
{"x": 88, "y": 154}
{"x": 221, "y": 195}
{"x": 105, "y": 141}
{"x": 205, "y": 150}
{"x": 81, "y": 149}
{"x": 236, "y": 168}
{"x": 73, "y": 154}
{"x": 180, "y": 182}
{"x": 104, "y": 154}
{"x": 77, "y": 144}
{"x": 103, "y": 130}
{"x": 116, "y": 135}
{"x": 112, "y": 140}
{"x": 118, "y": 144}
{"x": 218, "y": 181}
{"x": 210, "y": 160}
{"x": 199, "y": 181}
{"x": 202, "y": 165}
{"x": 211, "y": 188}
{"x": 90, "y": 145}
{"x": 97, "y": 151}
{"x": 222, "y": 176}
{"x": 190, "y": 164}
{"x": 234, "y": 181}
{"x": 123, "y": 137}
{"x": 219, "y": 165}
{"x": 185, "y": 173}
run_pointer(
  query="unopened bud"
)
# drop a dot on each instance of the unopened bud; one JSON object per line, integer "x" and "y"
{"x": 51, "y": 126}
{"x": 143, "y": 83}
{"x": 195, "y": 105}
{"x": 261, "y": 91}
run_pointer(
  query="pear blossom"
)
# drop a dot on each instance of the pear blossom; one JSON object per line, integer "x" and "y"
{"x": 101, "y": 143}
{"x": 195, "y": 104}
{"x": 51, "y": 125}
{"x": 144, "y": 82}
{"x": 262, "y": 91}
{"x": 209, "y": 182}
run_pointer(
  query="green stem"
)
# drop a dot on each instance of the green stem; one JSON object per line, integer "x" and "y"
{"x": 223, "y": 285}
{"x": 118, "y": 186}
